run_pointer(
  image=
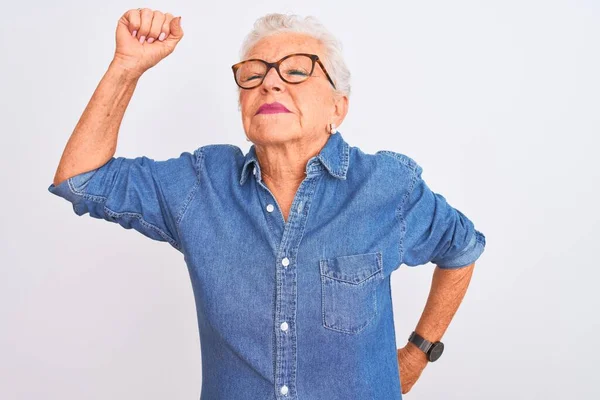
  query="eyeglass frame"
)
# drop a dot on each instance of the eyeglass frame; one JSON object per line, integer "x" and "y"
{"x": 276, "y": 64}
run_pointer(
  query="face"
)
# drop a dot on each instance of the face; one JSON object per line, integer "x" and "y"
{"x": 312, "y": 105}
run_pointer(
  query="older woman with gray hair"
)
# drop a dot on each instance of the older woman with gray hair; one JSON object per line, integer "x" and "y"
{"x": 290, "y": 246}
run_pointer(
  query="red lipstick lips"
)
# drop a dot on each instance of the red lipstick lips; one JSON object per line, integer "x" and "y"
{"x": 272, "y": 108}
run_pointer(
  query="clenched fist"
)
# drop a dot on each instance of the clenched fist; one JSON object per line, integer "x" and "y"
{"x": 144, "y": 37}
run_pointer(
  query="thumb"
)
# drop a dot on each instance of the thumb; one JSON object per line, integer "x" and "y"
{"x": 176, "y": 31}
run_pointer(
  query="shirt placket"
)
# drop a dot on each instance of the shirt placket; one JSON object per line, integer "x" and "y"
{"x": 285, "y": 356}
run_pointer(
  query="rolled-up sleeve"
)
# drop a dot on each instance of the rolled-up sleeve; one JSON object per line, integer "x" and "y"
{"x": 436, "y": 232}
{"x": 137, "y": 193}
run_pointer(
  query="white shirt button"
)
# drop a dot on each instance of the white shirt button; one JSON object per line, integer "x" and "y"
{"x": 300, "y": 207}
{"x": 285, "y": 262}
{"x": 270, "y": 207}
{"x": 284, "y": 389}
{"x": 284, "y": 326}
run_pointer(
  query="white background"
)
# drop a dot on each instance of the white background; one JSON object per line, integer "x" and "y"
{"x": 498, "y": 101}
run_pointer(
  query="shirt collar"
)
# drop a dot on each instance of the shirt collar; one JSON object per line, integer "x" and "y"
{"x": 333, "y": 156}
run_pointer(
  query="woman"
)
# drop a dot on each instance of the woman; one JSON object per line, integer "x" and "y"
{"x": 290, "y": 247}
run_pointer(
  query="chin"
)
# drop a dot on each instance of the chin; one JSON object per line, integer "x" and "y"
{"x": 273, "y": 134}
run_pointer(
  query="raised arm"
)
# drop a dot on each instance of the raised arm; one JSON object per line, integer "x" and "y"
{"x": 94, "y": 139}
{"x": 137, "y": 193}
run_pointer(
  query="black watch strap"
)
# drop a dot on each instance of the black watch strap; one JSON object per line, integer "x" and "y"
{"x": 420, "y": 342}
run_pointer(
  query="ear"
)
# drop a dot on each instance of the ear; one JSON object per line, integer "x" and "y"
{"x": 340, "y": 109}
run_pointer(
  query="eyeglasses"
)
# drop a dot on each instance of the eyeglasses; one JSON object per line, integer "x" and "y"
{"x": 296, "y": 68}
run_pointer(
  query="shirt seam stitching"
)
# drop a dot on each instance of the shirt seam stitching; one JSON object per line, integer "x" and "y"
{"x": 198, "y": 157}
{"x": 400, "y": 210}
{"x": 147, "y": 224}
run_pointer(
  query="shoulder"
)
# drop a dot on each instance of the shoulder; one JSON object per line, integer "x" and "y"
{"x": 387, "y": 161}
{"x": 221, "y": 161}
{"x": 219, "y": 153}
{"x": 399, "y": 160}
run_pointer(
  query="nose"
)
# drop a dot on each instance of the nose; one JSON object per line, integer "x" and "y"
{"x": 272, "y": 82}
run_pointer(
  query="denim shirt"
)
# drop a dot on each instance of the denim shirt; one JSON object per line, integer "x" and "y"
{"x": 296, "y": 309}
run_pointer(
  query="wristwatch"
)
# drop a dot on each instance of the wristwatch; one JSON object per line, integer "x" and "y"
{"x": 432, "y": 350}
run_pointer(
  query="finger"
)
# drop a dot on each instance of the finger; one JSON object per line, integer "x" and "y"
{"x": 147, "y": 16}
{"x": 166, "y": 28}
{"x": 176, "y": 31}
{"x": 156, "y": 27}
{"x": 133, "y": 16}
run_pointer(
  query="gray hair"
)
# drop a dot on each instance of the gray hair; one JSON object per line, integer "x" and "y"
{"x": 274, "y": 23}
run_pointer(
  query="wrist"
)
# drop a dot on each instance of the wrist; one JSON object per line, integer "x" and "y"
{"x": 416, "y": 352}
{"x": 124, "y": 69}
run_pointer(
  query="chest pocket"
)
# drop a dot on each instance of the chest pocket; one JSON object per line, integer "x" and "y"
{"x": 348, "y": 291}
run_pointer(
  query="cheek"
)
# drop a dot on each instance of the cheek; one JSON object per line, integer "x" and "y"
{"x": 245, "y": 96}
{"x": 315, "y": 107}
{"x": 245, "y": 107}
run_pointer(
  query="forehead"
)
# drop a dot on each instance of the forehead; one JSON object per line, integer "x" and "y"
{"x": 272, "y": 48}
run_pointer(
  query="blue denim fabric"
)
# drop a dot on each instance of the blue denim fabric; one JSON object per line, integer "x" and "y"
{"x": 297, "y": 309}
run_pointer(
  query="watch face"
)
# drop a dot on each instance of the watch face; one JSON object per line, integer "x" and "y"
{"x": 436, "y": 351}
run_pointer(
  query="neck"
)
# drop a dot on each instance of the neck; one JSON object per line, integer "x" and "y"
{"x": 283, "y": 165}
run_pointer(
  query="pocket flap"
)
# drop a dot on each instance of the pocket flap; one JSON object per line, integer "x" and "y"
{"x": 353, "y": 268}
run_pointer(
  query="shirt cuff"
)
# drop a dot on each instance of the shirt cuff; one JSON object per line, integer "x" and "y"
{"x": 466, "y": 257}
{"x": 71, "y": 188}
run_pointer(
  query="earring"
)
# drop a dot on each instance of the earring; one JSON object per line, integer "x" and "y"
{"x": 332, "y": 129}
